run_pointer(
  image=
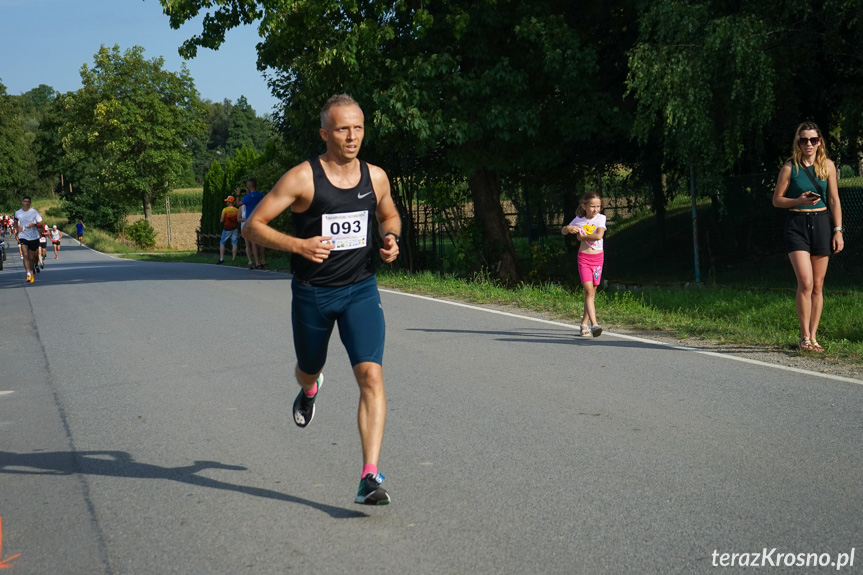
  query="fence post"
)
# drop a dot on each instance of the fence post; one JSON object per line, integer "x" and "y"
{"x": 694, "y": 222}
{"x": 168, "y": 218}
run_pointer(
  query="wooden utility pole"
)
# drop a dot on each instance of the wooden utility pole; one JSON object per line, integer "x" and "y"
{"x": 168, "y": 217}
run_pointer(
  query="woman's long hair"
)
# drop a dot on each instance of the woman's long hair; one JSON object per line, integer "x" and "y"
{"x": 584, "y": 199}
{"x": 820, "y": 165}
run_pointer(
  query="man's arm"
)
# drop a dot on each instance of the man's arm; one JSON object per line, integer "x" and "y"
{"x": 295, "y": 188}
{"x": 389, "y": 221}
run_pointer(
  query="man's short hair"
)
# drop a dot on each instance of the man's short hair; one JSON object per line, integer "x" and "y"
{"x": 253, "y": 181}
{"x": 337, "y": 100}
{"x": 25, "y": 198}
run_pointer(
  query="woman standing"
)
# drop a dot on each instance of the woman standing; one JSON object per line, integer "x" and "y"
{"x": 807, "y": 189}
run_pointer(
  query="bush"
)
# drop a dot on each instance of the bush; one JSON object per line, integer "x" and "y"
{"x": 56, "y": 212}
{"x": 142, "y": 233}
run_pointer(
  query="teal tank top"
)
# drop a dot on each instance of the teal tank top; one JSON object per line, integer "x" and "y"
{"x": 800, "y": 183}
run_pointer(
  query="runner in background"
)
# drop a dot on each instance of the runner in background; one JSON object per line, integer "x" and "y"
{"x": 56, "y": 235}
{"x": 28, "y": 225}
{"x": 43, "y": 245}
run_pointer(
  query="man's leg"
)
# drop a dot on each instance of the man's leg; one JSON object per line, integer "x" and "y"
{"x": 372, "y": 411}
{"x": 27, "y": 254}
{"x": 371, "y": 419}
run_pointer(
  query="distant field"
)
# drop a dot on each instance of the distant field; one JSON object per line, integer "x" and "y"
{"x": 183, "y": 228}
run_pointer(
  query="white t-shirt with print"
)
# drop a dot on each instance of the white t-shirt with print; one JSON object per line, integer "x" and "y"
{"x": 25, "y": 218}
{"x": 589, "y": 226}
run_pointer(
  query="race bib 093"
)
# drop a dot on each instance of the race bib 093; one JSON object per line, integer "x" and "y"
{"x": 349, "y": 230}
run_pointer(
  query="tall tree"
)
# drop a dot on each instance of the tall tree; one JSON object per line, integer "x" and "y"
{"x": 14, "y": 148}
{"x": 713, "y": 77}
{"x": 133, "y": 119}
{"x": 245, "y": 128}
{"x": 496, "y": 88}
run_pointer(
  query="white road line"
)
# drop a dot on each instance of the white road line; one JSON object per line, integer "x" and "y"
{"x": 638, "y": 339}
{"x": 6, "y": 392}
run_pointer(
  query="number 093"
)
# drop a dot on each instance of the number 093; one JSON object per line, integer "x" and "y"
{"x": 337, "y": 228}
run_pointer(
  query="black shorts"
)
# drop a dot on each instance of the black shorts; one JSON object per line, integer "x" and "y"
{"x": 808, "y": 232}
{"x": 32, "y": 245}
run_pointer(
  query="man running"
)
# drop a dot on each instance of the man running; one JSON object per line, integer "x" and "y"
{"x": 27, "y": 222}
{"x": 332, "y": 198}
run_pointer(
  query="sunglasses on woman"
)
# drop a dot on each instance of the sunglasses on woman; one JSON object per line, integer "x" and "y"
{"x": 812, "y": 141}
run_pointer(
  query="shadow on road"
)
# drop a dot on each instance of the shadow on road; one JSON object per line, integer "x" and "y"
{"x": 122, "y": 464}
{"x": 570, "y": 337}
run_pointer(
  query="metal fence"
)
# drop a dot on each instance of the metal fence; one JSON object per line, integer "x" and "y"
{"x": 738, "y": 230}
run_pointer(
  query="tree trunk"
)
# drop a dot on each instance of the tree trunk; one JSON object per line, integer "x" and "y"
{"x": 148, "y": 207}
{"x": 496, "y": 238}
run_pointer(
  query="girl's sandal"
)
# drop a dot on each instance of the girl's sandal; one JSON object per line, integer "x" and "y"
{"x": 805, "y": 344}
{"x": 585, "y": 329}
{"x": 817, "y": 347}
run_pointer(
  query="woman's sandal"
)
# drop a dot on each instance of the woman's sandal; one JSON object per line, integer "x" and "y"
{"x": 817, "y": 347}
{"x": 585, "y": 329}
{"x": 805, "y": 344}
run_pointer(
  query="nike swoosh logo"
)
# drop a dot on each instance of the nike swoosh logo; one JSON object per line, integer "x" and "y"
{"x": 361, "y": 196}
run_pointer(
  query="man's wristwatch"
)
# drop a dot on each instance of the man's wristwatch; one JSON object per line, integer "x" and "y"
{"x": 839, "y": 229}
{"x": 393, "y": 234}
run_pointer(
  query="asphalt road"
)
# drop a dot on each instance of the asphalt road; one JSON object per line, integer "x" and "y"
{"x": 145, "y": 428}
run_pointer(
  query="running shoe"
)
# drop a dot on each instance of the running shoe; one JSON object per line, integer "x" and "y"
{"x": 370, "y": 491}
{"x": 304, "y": 406}
{"x": 596, "y": 330}
{"x": 42, "y": 264}
{"x": 36, "y": 267}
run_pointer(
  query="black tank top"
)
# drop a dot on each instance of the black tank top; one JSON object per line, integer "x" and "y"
{"x": 344, "y": 214}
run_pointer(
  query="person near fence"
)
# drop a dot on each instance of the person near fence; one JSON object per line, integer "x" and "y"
{"x": 251, "y": 200}
{"x": 807, "y": 190}
{"x": 332, "y": 198}
{"x": 228, "y": 219}
{"x": 242, "y": 217}
{"x": 589, "y": 226}
{"x": 28, "y": 223}
{"x": 55, "y": 240}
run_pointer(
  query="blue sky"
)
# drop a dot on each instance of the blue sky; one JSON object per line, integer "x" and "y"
{"x": 47, "y": 42}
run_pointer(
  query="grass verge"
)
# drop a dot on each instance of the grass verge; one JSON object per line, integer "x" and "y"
{"x": 721, "y": 315}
